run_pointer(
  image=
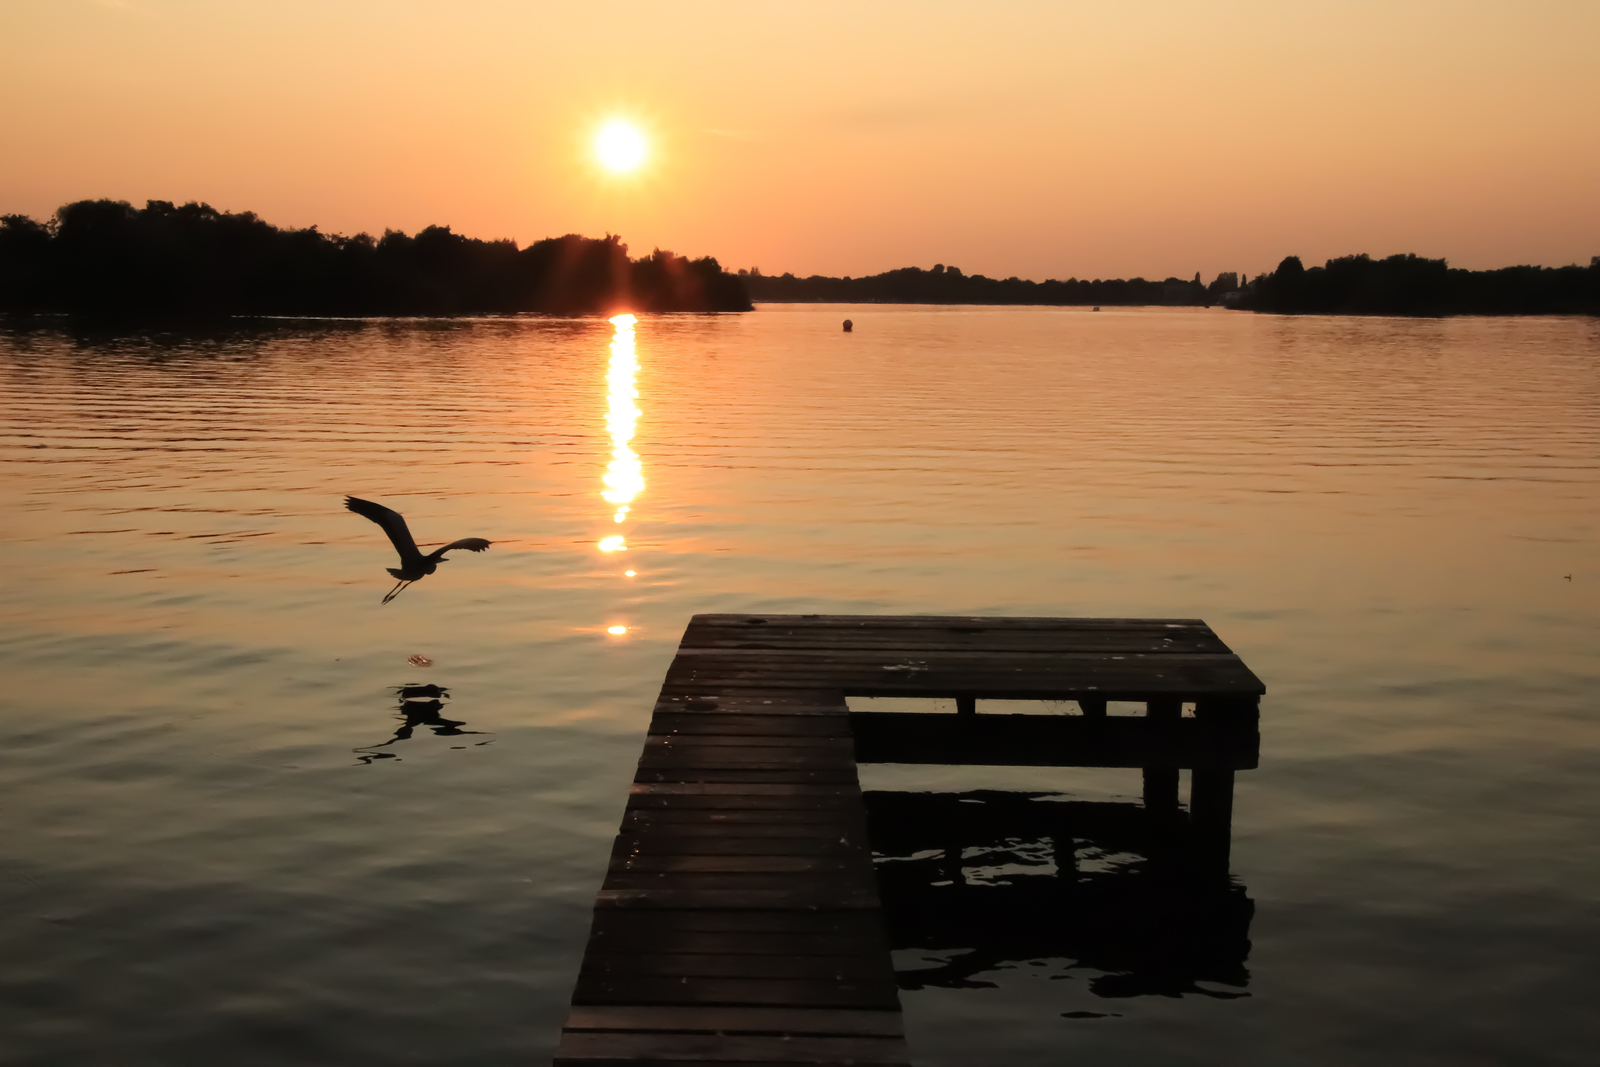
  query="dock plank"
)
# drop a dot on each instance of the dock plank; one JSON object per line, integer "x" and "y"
{"x": 753, "y": 776}
{"x": 759, "y": 863}
{"x": 944, "y": 622}
{"x": 732, "y": 724}
{"x": 742, "y": 1021}
{"x": 851, "y": 924}
{"x": 955, "y": 640}
{"x": 770, "y": 964}
{"x": 719, "y": 842}
{"x": 726, "y": 824}
{"x": 704, "y": 942}
{"x": 685, "y": 989}
{"x": 678, "y": 741}
{"x": 802, "y": 898}
{"x": 789, "y": 750}
{"x": 604, "y": 1049}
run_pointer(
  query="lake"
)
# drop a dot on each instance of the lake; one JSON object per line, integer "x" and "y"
{"x": 228, "y": 842}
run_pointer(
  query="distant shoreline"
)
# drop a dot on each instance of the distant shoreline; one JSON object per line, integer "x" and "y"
{"x": 106, "y": 259}
{"x": 1406, "y": 285}
{"x": 948, "y": 285}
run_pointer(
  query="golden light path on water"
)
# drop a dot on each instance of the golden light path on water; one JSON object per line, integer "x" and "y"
{"x": 624, "y": 477}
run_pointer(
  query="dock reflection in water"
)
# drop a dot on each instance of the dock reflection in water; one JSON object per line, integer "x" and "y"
{"x": 1001, "y": 878}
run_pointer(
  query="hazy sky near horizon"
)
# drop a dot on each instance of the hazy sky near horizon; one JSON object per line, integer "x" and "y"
{"x": 1038, "y": 139}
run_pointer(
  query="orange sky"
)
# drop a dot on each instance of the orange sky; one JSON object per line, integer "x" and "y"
{"x": 1038, "y": 139}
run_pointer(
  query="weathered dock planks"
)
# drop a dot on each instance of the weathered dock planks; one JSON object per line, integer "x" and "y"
{"x": 739, "y": 921}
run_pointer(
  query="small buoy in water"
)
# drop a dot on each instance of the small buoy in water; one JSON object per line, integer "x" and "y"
{"x": 848, "y": 325}
{"x": 419, "y": 660}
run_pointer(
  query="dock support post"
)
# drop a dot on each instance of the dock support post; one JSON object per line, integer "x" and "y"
{"x": 1211, "y": 786}
{"x": 1211, "y": 818}
{"x": 1161, "y": 783}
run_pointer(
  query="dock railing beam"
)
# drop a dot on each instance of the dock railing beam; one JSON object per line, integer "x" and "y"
{"x": 1222, "y": 736}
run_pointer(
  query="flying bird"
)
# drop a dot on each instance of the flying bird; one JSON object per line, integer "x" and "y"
{"x": 414, "y": 566}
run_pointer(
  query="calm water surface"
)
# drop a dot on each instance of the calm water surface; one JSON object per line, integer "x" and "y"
{"x": 226, "y": 842}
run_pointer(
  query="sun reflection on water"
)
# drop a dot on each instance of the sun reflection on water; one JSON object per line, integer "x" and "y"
{"x": 624, "y": 477}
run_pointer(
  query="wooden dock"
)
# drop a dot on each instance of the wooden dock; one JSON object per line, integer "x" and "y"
{"x": 739, "y": 920}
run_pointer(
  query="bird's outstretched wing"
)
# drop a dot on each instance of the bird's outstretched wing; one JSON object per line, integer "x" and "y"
{"x": 471, "y": 544}
{"x": 393, "y": 525}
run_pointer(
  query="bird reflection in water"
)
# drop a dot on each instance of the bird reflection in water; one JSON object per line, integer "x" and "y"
{"x": 420, "y": 705}
{"x": 987, "y": 880}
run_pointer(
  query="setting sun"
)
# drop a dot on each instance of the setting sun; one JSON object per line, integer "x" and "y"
{"x": 619, "y": 146}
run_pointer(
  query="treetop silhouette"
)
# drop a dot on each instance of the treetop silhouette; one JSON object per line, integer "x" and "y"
{"x": 106, "y": 257}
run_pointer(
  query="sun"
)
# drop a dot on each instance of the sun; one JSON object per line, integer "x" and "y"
{"x": 620, "y": 146}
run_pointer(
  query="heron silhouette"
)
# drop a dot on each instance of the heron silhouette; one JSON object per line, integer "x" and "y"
{"x": 414, "y": 566}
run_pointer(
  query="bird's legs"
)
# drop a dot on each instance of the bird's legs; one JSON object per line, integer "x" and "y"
{"x": 397, "y": 590}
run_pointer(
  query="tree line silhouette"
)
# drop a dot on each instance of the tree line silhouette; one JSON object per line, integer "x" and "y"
{"x": 108, "y": 258}
{"x": 1352, "y": 285}
{"x": 1412, "y": 285}
{"x": 948, "y": 285}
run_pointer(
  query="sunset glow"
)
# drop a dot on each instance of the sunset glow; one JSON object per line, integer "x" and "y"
{"x": 620, "y": 146}
{"x": 1302, "y": 130}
